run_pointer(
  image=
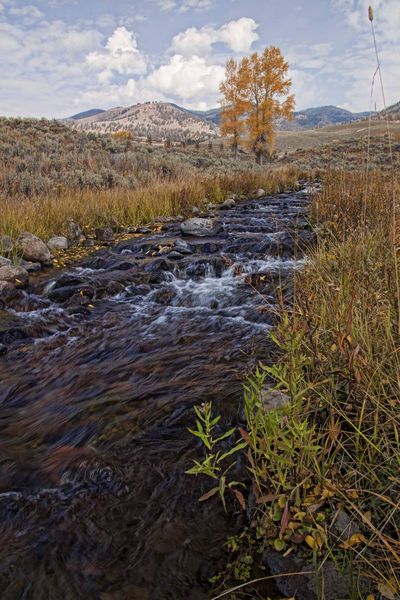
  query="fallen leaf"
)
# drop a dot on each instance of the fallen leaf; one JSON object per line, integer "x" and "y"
{"x": 387, "y": 591}
{"x": 285, "y": 519}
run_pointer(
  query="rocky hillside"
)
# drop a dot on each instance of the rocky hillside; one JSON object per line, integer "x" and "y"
{"x": 320, "y": 116}
{"x": 160, "y": 120}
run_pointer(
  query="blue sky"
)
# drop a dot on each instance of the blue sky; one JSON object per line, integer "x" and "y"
{"x": 62, "y": 56}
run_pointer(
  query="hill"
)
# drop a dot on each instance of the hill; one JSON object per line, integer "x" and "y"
{"x": 160, "y": 120}
{"x": 87, "y": 113}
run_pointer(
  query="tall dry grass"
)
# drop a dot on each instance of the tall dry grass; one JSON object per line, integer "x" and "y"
{"x": 49, "y": 215}
{"x": 340, "y": 365}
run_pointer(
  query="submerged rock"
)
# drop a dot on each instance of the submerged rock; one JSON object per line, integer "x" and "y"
{"x": 33, "y": 248}
{"x": 58, "y": 242}
{"x": 200, "y": 227}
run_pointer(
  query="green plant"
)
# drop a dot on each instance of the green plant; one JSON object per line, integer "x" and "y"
{"x": 214, "y": 463}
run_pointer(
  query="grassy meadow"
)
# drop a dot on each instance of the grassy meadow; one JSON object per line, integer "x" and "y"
{"x": 50, "y": 174}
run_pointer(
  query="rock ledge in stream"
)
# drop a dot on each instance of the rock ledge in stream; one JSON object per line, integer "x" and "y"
{"x": 200, "y": 227}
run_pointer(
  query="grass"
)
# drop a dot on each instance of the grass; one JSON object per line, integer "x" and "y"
{"x": 49, "y": 215}
{"x": 50, "y": 174}
{"x": 335, "y": 446}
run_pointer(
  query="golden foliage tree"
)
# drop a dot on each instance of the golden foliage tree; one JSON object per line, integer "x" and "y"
{"x": 232, "y": 104}
{"x": 255, "y": 95}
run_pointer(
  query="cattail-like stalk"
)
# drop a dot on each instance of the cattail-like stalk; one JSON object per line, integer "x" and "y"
{"x": 371, "y": 13}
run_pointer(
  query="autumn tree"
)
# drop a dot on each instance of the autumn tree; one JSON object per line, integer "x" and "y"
{"x": 255, "y": 95}
{"x": 232, "y": 105}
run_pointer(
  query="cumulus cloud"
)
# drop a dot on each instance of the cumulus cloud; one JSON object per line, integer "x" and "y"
{"x": 238, "y": 36}
{"x": 120, "y": 55}
{"x": 186, "y": 78}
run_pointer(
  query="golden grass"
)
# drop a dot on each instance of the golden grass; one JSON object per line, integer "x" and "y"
{"x": 340, "y": 364}
{"x": 49, "y": 215}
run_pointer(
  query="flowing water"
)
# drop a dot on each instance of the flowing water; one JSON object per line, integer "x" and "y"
{"x": 104, "y": 363}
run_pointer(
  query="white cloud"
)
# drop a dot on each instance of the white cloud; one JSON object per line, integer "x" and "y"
{"x": 120, "y": 55}
{"x": 187, "y": 78}
{"x": 238, "y": 35}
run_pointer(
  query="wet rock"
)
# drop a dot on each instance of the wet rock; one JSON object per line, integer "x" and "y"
{"x": 143, "y": 230}
{"x": 174, "y": 255}
{"x": 17, "y": 276}
{"x": 183, "y": 247}
{"x": 3, "y": 349}
{"x": 5, "y": 262}
{"x": 88, "y": 243}
{"x": 104, "y": 234}
{"x": 195, "y": 210}
{"x": 209, "y": 248}
{"x": 6, "y": 243}
{"x": 75, "y": 232}
{"x": 229, "y": 203}
{"x": 211, "y": 206}
{"x": 33, "y": 248}
{"x": 5, "y": 287}
{"x": 58, "y": 242}
{"x": 63, "y": 294}
{"x": 200, "y": 227}
{"x": 163, "y": 296}
{"x": 260, "y": 193}
{"x": 31, "y": 267}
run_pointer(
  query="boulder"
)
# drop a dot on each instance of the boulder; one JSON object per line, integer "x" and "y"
{"x": 229, "y": 203}
{"x": 200, "y": 227}
{"x": 6, "y": 243}
{"x": 58, "y": 242}
{"x": 17, "y": 276}
{"x": 260, "y": 193}
{"x": 195, "y": 210}
{"x": 5, "y": 262}
{"x": 33, "y": 248}
{"x": 104, "y": 234}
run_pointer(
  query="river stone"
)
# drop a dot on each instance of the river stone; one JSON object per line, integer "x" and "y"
{"x": 6, "y": 243}
{"x": 229, "y": 203}
{"x": 31, "y": 267}
{"x": 195, "y": 210}
{"x": 183, "y": 247}
{"x": 260, "y": 193}
{"x": 200, "y": 227}
{"x": 5, "y": 262}
{"x": 17, "y": 276}
{"x": 5, "y": 286}
{"x": 58, "y": 242}
{"x": 104, "y": 234}
{"x": 33, "y": 248}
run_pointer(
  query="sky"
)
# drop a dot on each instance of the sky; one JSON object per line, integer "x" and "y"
{"x": 59, "y": 57}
